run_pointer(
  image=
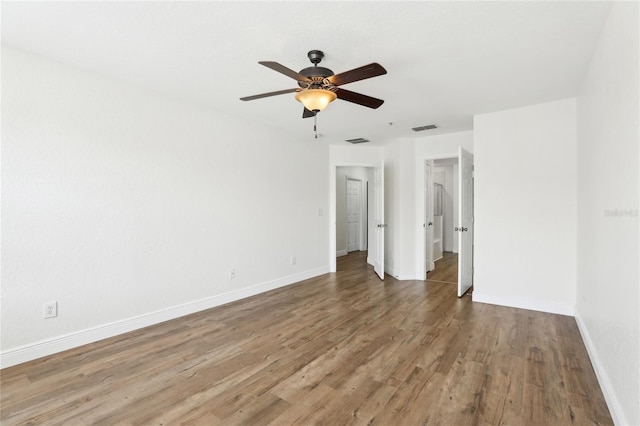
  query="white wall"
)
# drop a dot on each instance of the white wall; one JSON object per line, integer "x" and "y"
{"x": 400, "y": 210}
{"x": 608, "y": 296}
{"x": 443, "y": 146}
{"x": 128, "y": 208}
{"x": 355, "y": 155}
{"x": 525, "y": 207}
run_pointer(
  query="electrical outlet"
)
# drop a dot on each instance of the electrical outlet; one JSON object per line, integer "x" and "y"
{"x": 232, "y": 273}
{"x": 293, "y": 260}
{"x": 50, "y": 310}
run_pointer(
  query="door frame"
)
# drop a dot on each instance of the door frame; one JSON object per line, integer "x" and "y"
{"x": 428, "y": 226}
{"x": 332, "y": 207}
{"x": 421, "y": 242}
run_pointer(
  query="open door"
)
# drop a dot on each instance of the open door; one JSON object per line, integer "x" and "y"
{"x": 378, "y": 193}
{"x": 428, "y": 214}
{"x": 465, "y": 221}
{"x": 353, "y": 214}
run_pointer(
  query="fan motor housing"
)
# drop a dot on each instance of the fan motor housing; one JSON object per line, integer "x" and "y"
{"x": 311, "y": 72}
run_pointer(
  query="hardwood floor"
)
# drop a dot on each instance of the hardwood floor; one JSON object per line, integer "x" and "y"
{"x": 343, "y": 348}
{"x": 446, "y": 270}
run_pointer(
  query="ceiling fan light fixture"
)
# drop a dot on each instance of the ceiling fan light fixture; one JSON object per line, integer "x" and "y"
{"x": 316, "y": 99}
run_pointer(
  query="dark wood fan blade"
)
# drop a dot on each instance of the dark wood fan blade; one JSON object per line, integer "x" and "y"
{"x": 356, "y": 74}
{"x": 358, "y": 98}
{"x": 284, "y": 70}
{"x": 266, "y": 95}
{"x": 306, "y": 113}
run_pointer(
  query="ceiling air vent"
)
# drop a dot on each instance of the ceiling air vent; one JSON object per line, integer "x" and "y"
{"x": 427, "y": 127}
{"x": 357, "y": 140}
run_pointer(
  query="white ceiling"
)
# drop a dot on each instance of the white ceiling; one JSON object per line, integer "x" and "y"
{"x": 445, "y": 60}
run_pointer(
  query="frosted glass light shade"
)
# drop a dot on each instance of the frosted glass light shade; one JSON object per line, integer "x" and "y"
{"x": 315, "y": 99}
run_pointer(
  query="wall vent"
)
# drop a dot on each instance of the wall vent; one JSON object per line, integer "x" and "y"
{"x": 427, "y": 127}
{"x": 357, "y": 140}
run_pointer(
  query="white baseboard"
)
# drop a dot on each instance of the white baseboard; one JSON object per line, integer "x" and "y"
{"x": 341, "y": 253}
{"x": 73, "y": 340}
{"x": 613, "y": 403}
{"x": 525, "y": 303}
{"x": 407, "y": 277}
{"x": 397, "y": 275}
{"x": 389, "y": 270}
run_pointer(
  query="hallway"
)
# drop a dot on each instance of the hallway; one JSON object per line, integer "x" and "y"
{"x": 446, "y": 270}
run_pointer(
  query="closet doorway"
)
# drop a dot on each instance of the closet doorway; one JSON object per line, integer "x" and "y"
{"x": 355, "y": 224}
{"x": 372, "y": 242}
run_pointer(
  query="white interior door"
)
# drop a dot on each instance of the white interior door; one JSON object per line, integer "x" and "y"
{"x": 378, "y": 194}
{"x": 465, "y": 221}
{"x": 353, "y": 214}
{"x": 428, "y": 214}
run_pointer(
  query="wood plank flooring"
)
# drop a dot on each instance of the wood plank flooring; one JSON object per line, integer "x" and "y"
{"x": 446, "y": 270}
{"x": 343, "y": 348}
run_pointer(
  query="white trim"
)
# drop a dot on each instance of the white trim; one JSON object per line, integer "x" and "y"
{"x": 73, "y": 340}
{"x": 525, "y": 303}
{"x": 340, "y": 253}
{"x": 615, "y": 408}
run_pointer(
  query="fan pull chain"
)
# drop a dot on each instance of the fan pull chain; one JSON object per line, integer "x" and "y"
{"x": 315, "y": 122}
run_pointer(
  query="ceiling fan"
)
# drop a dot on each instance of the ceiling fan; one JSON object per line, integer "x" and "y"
{"x": 318, "y": 86}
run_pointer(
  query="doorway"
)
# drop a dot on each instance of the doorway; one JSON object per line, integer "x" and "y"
{"x": 460, "y": 231}
{"x": 442, "y": 213}
{"x": 371, "y": 226}
{"x": 353, "y": 210}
